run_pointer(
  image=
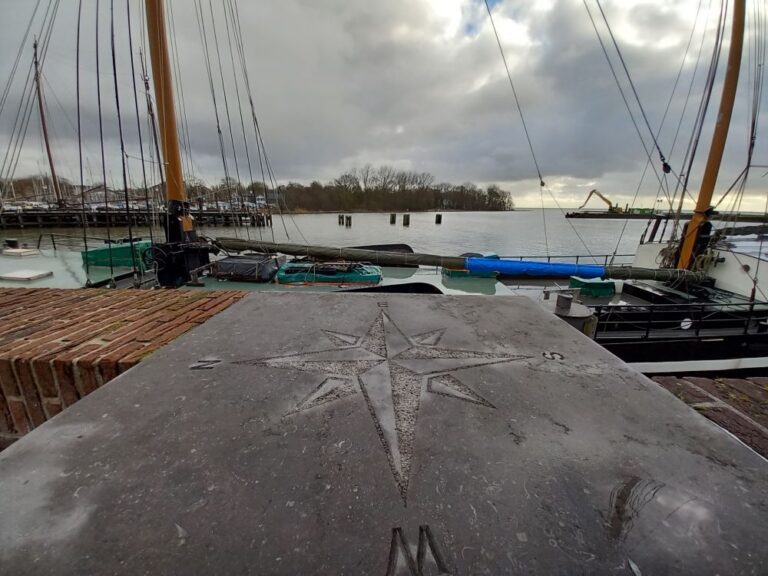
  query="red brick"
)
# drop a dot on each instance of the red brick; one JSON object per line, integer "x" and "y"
{"x": 6, "y": 425}
{"x": 87, "y": 381}
{"x": 65, "y": 373}
{"x": 18, "y": 415}
{"x": 29, "y": 392}
{"x": 108, "y": 364}
{"x": 58, "y": 345}
{"x": 127, "y": 363}
{"x": 747, "y": 388}
{"x": 52, "y": 408}
{"x": 43, "y": 375}
{"x": 8, "y": 378}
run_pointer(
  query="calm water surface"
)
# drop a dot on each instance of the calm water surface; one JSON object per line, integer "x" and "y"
{"x": 505, "y": 233}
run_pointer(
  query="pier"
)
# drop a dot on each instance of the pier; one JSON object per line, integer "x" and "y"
{"x": 118, "y": 217}
{"x": 57, "y": 346}
{"x": 382, "y": 434}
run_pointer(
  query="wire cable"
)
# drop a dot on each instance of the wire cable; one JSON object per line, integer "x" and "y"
{"x": 103, "y": 159}
{"x": 80, "y": 147}
{"x": 632, "y": 85}
{"x": 14, "y": 67}
{"x": 204, "y": 37}
{"x": 138, "y": 121}
{"x": 658, "y": 132}
{"x": 136, "y": 281}
{"x": 522, "y": 119}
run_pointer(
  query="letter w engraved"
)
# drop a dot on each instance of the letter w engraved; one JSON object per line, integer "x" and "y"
{"x": 402, "y": 562}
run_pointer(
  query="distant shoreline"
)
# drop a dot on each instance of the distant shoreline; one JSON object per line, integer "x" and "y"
{"x": 361, "y": 211}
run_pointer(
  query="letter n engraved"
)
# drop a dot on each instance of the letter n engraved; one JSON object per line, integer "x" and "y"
{"x": 428, "y": 557}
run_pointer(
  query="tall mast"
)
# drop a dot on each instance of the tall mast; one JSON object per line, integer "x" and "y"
{"x": 44, "y": 126}
{"x": 719, "y": 137}
{"x": 179, "y": 223}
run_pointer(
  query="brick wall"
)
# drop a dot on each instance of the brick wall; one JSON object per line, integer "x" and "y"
{"x": 56, "y": 346}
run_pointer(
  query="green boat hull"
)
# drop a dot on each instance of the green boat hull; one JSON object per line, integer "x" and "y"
{"x": 120, "y": 256}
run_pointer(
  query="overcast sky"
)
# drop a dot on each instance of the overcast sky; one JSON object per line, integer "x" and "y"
{"x": 416, "y": 84}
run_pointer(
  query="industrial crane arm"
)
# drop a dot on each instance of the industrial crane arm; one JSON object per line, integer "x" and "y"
{"x": 597, "y": 192}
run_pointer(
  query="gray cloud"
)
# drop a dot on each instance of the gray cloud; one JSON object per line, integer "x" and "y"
{"x": 416, "y": 84}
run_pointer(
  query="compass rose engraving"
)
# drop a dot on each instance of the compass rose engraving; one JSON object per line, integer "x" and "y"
{"x": 391, "y": 371}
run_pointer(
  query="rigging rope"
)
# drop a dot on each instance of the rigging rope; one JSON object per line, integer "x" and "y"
{"x": 757, "y": 47}
{"x": 634, "y": 90}
{"x": 542, "y": 184}
{"x": 514, "y": 93}
{"x": 181, "y": 102}
{"x": 239, "y": 102}
{"x": 26, "y": 103}
{"x": 152, "y": 121}
{"x": 224, "y": 92}
{"x": 45, "y": 45}
{"x": 229, "y": 121}
{"x": 262, "y": 150}
{"x": 8, "y": 84}
{"x": 136, "y": 282}
{"x": 103, "y": 160}
{"x": 80, "y": 147}
{"x": 693, "y": 142}
{"x": 621, "y": 91}
{"x": 204, "y": 37}
{"x": 658, "y": 132}
{"x": 679, "y": 185}
{"x": 522, "y": 119}
{"x": 138, "y": 121}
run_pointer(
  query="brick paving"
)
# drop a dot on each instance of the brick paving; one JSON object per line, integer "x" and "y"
{"x": 740, "y": 405}
{"x": 58, "y": 345}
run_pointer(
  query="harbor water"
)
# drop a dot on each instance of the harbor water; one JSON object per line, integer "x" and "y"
{"x": 515, "y": 233}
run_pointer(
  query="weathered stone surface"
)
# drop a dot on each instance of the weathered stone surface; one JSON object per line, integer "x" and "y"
{"x": 374, "y": 434}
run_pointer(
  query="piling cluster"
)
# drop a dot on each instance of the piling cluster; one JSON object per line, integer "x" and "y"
{"x": 346, "y": 219}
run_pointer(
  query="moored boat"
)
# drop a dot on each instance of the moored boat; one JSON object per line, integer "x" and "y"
{"x": 331, "y": 273}
{"x": 247, "y": 268}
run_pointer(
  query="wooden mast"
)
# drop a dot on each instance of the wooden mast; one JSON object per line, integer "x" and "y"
{"x": 44, "y": 127}
{"x": 719, "y": 137}
{"x": 179, "y": 223}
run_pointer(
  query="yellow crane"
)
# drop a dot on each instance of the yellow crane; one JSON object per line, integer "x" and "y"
{"x": 611, "y": 208}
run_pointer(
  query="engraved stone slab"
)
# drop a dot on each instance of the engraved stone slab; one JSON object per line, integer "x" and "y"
{"x": 382, "y": 434}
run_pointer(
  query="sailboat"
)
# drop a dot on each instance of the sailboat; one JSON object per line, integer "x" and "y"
{"x": 716, "y": 325}
{"x": 692, "y": 305}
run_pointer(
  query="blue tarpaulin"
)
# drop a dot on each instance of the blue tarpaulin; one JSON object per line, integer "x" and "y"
{"x": 517, "y": 268}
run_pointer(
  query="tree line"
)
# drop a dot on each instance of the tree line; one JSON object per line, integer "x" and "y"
{"x": 387, "y": 189}
{"x": 360, "y": 189}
